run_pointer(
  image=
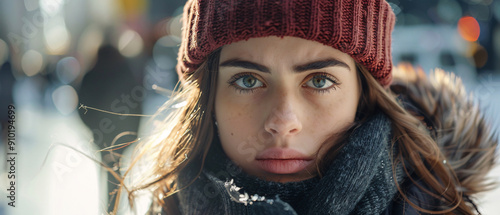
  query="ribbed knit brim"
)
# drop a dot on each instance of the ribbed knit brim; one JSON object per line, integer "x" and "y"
{"x": 360, "y": 28}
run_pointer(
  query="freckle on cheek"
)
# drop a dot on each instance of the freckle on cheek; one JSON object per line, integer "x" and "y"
{"x": 232, "y": 134}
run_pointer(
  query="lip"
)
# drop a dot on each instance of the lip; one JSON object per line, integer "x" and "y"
{"x": 282, "y": 161}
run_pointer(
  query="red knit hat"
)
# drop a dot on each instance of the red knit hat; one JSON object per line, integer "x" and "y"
{"x": 360, "y": 28}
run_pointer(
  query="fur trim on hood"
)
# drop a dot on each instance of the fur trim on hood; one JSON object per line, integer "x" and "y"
{"x": 455, "y": 122}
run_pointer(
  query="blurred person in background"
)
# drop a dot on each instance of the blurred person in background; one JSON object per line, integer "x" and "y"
{"x": 106, "y": 85}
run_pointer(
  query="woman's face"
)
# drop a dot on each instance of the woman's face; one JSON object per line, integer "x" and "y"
{"x": 277, "y": 102}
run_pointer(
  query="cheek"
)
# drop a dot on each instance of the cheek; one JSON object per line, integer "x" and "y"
{"x": 231, "y": 115}
{"x": 330, "y": 119}
{"x": 344, "y": 107}
{"x": 237, "y": 117}
{"x": 237, "y": 124}
{"x": 344, "y": 104}
{"x": 334, "y": 114}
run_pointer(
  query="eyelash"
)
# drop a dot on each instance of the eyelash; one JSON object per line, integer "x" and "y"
{"x": 240, "y": 90}
{"x": 327, "y": 76}
{"x": 335, "y": 82}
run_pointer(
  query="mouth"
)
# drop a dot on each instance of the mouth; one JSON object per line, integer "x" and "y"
{"x": 282, "y": 161}
{"x": 281, "y": 166}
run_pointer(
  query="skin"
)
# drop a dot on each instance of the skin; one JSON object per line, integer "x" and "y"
{"x": 268, "y": 97}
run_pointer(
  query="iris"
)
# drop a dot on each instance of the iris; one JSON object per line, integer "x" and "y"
{"x": 319, "y": 82}
{"x": 249, "y": 81}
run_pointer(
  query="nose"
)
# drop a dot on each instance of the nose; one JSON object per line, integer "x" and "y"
{"x": 283, "y": 120}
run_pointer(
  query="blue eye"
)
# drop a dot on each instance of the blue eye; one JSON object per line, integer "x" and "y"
{"x": 319, "y": 82}
{"x": 248, "y": 82}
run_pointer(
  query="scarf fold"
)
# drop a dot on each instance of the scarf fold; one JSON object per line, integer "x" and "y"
{"x": 359, "y": 181}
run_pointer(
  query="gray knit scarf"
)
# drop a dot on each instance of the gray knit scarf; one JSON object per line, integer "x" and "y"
{"x": 359, "y": 181}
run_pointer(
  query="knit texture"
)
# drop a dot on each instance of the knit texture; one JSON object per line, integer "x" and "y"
{"x": 360, "y": 28}
{"x": 359, "y": 181}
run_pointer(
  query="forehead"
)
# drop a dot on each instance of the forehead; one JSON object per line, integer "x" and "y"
{"x": 290, "y": 50}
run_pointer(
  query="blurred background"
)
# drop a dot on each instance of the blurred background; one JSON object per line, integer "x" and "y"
{"x": 61, "y": 58}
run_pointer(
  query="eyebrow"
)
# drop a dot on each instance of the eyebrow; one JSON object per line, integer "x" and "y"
{"x": 300, "y": 68}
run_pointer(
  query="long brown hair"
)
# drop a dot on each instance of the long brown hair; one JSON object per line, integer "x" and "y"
{"x": 418, "y": 151}
{"x": 182, "y": 138}
{"x": 185, "y": 136}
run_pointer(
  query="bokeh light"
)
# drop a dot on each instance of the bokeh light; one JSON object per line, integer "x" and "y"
{"x": 4, "y": 52}
{"x": 174, "y": 26}
{"x": 496, "y": 10}
{"x": 164, "y": 51}
{"x": 57, "y": 39}
{"x": 31, "y": 5}
{"x": 169, "y": 41}
{"x": 481, "y": 12}
{"x": 161, "y": 28}
{"x": 449, "y": 10}
{"x": 68, "y": 69}
{"x": 468, "y": 28}
{"x": 88, "y": 45}
{"x": 65, "y": 99}
{"x": 31, "y": 62}
{"x": 395, "y": 8}
{"x": 478, "y": 54}
{"x": 51, "y": 7}
{"x": 130, "y": 44}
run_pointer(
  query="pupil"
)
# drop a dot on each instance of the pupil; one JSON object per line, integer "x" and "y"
{"x": 249, "y": 81}
{"x": 319, "y": 82}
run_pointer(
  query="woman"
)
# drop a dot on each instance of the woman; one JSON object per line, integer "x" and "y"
{"x": 287, "y": 107}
